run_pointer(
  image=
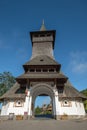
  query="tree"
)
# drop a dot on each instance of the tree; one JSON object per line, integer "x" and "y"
{"x": 6, "y": 82}
{"x": 85, "y": 102}
{"x": 37, "y": 110}
{"x": 84, "y": 92}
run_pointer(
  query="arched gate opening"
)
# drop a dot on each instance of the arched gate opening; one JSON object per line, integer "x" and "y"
{"x": 44, "y": 90}
{"x": 43, "y": 106}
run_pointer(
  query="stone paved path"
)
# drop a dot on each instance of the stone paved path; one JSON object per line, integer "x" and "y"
{"x": 44, "y": 125}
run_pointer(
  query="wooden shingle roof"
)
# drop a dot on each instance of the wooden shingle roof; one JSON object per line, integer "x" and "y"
{"x": 71, "y": 92}
{"x": 42, "y": 60}
{"x": 11, "y": 94}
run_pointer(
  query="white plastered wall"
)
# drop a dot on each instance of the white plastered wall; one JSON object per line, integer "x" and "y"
{"x": 71, "y": 110}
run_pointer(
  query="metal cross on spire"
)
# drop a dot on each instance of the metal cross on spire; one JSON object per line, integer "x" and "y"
{"x": 43, "y": 28}
{"x": 43, "y": 21}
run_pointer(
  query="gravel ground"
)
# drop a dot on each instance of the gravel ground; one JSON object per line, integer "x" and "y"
{"x": 44, "y": 125}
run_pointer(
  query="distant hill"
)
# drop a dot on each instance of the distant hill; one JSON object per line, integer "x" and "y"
{"x": 84, "y": 92}
{"x": 85, "y": 102}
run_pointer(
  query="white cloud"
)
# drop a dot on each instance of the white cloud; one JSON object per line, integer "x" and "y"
{"x": 78, "y": 62}
{"x": 80, "y": 67}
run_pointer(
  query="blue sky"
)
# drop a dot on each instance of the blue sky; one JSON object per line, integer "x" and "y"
{"x": 67, "y": 17}
{"x": 41, "y": 100}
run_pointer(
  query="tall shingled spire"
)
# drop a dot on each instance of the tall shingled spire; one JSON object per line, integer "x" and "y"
{"x": 43, "y": 28}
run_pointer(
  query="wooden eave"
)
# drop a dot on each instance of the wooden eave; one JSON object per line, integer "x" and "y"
{"x": 26, "y": 67}
{"x": 61, "y": 79}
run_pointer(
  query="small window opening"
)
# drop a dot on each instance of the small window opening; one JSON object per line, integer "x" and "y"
{"x": 66, "y": 102}
{"x": 42, "y": 35}
{"x": 41, "y": 60}
{"x": 35, "y": 35}
{"x": 51, "y": 70}
{"x": 48, "y": 34}
{"x": 19, "y": 102}
{"x": 32, "y": 70}
{"x": 45, "y": 70}
{"x": 38, "y": 70}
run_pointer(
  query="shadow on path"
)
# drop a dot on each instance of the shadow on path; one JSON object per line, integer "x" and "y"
{"x": 44, "y": 117}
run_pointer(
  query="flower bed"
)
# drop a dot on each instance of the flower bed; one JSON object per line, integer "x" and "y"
{"x": 19, "y": 117}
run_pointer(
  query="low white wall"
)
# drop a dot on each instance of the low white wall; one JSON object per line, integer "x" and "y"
{"x": 76, "y": 107}
{"x": 72, "y": 110}
{"x": 17, "y": 110}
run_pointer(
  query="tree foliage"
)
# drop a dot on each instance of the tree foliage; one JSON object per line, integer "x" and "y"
{"x": 6, "y": 82}
{"x": 37, "y": 110}
{"x": 84, "y": 92}
{"x": 85, "y": 102}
